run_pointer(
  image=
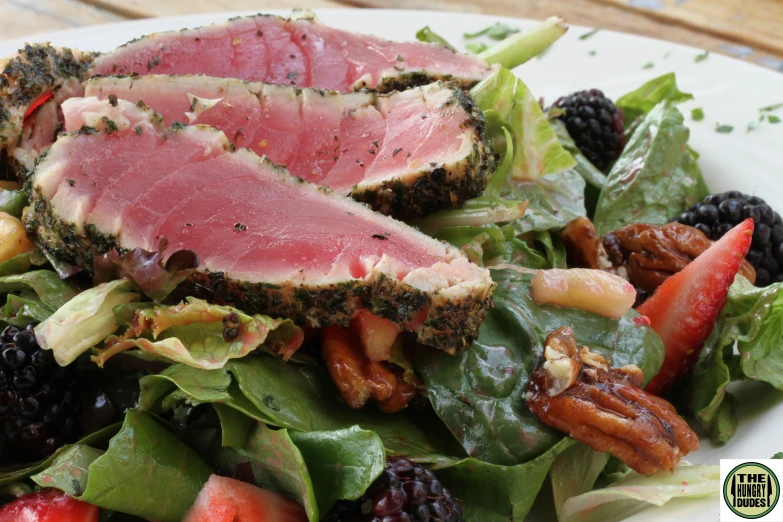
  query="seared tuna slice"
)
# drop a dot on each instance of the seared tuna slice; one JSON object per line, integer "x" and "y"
{"x": 301, "y": 52}
{"x": 267, "y": 242}
{"x": 28, "y": 79}
{"x": 406, "y": 154}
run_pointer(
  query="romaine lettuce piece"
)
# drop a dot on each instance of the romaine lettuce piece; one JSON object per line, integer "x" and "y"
{"x": 635, "y": 492}
{"x": 640, "y": 102}
{"x": 84, "y": 321}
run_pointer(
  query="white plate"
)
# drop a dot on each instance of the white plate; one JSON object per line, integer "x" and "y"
{"x": 730, "y": 92}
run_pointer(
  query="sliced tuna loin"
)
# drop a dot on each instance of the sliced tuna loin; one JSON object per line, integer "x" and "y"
{"x": 301, "y": 52}
{"x": 406, "y": 153}
{"x": 33, "y": 83}
{"x": 267, "y": 242}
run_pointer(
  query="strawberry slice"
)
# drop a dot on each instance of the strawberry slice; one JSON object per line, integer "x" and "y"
{"x": 684, "y": 308}
{"x": 228, "y": 500}
{"x": 48, "y": 505}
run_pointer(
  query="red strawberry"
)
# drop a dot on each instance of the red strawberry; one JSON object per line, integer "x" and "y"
{"x": 48, "y": 505}
{"x": 228, "y": 500}
{"x": 684, "y": 308}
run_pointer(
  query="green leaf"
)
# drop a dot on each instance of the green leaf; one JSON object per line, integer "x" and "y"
{"x": 425, "y": 34}
{"x": 274, "y": 459}
{"x": 84, "y": 321}
{"x": 773, "y": 119}
{"x": 476, "y": 47}
{"x": 574, "y": 472}
{"x": 701, "y": 57}
{"x": 298, "y": 396}
{"x": 771, "y": 108}
{"x": 479, "y": 394}
{"x": 537, "y": 151}
{"x": 518, "y": 48}
{"x": 552, "y": 201}
{"x": 18, "y": 264}
{"x": 648, "y": 65}
{"x": 194, "y": 333}
{"x": 146, "y": 472}
{"x": 43, "y": 285}
{"x": 492, "y": 493}
{"x": 723, "y": 129}
{"x": 496, "y": 31}
{"x": 342, "y": 464}
{"x": 638, "y": 103}
{"x": 778, "y": 455}
{"x": 13, "y": 202}
{"x": 655, "y": 178}
{"x": 69, "y": 470}
{"x": 635, "y": 492}
{"x": 697, "y": 114}
{"x": 588, "y": 34}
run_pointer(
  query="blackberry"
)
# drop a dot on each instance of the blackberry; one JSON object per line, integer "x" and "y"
{"x": 39, "y": 400}
{"x": 405, "y": 492}
{"x": 718, "y": 213}
{"x": 596, "y": 126}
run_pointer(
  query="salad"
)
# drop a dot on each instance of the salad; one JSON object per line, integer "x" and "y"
{"x": 564, "y": 297}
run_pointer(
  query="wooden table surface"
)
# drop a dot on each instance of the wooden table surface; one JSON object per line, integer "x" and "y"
{"x": 748, "y": 29}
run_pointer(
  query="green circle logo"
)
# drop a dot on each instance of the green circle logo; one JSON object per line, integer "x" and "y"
{"x": 751, "y": 490}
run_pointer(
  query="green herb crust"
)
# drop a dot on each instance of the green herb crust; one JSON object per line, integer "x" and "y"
{"x": 33, "y": 72}
{"x": 442, "y": 186}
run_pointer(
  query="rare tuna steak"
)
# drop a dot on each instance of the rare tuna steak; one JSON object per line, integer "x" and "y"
{"x": 406, "y": 153}
{"x": 267, "y": 242}
{"x": 33, "y": 83}
{"x": 301, "y": 52}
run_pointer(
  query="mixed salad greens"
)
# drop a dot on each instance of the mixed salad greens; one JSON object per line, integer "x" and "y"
{"x": 215, "y": 403}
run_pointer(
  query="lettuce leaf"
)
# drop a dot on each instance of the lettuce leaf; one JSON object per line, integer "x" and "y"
{"x": 202, "y": 335}
{"x": 640, "y": 102}
{"x": 84, "y": 321}
{"x": 516, "y": 49}
{"x": 635, "y": 492}
{"x": 537, "y": 151}
{"x": 575, "y": 472}
{"x": 655, "y": 178}
{"x": 479, "y": 394}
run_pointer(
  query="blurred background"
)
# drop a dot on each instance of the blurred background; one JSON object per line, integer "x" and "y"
{"x": 746, "y": 29}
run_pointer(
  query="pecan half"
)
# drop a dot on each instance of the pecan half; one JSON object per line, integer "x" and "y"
{"x": 644, "y": 254}
{"x": 605, "y": 408}
{"x": 360, "y": 379}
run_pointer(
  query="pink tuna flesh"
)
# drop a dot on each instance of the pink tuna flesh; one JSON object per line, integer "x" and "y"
{"x": 301, "y": 52}
{"x": 345, "y": 142}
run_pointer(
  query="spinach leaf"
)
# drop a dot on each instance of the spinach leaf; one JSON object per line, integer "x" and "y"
{"x": 69, "y": 470}
{"x": 42, "y": 285}
{"x": 14, "y": 472}
{"x": 655, "y": 178}
{"x": 492, "y": 493}
{"x": 298, "y": 395}
{"x": 275, "y": 461}
{"x": 640, "y": 102}
{"x": 479, "y": 394}
{"x": 146, "y": 471}
{"x": 342, "y": 464}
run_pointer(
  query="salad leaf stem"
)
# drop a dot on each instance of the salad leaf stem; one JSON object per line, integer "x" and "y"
{"x": 521, "y": 47}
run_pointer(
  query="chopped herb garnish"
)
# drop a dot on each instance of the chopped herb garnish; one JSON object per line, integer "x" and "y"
{"x": 701, "y": 57}
{"x": 380, "y": 236}
{"x": 396, "y": 151}
{"x": 476, "y": 47}
{"x": 648, "y": 65}
{"x": 400, "y": 58}
{"x": 588, "y": 34}
{"x": 425, "y": 34}
{"x": 496, "y": 31}
{"x": 723, "y": 129}
{"x": 71, "y": 182}
{"x": 293, "y": 75}
{"x": 667, "y": 55}
{"x": 592, "y": 53}
{"x": 770, "y": 108}
{"x": 697, "y": 114}
{"x": 773, "y": 119}
{"x": 239, "y": 227}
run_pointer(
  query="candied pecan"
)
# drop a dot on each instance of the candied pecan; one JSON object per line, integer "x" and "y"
{"x": 583, "y": 248}
{"x": 360, "y": 379}
{"x": 579, "y": 394}
{"x": 652, "y": 253}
